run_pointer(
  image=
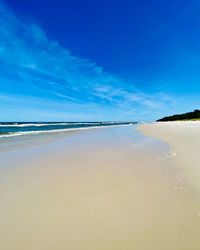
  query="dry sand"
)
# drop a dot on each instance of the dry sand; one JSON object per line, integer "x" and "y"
{"x": 184, "y": 138}
{"x": 107, "y": 189}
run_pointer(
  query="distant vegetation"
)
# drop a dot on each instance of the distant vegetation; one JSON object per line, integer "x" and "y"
{"x": 186, "y": 116}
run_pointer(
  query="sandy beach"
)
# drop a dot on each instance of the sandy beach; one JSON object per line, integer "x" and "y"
{"x": 83, "y": 163}
{"x": 109, "y": 188}
{"x": 184, "y": 139}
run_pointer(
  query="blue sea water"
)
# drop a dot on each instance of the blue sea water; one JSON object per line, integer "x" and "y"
{"x": 10, "y": 129}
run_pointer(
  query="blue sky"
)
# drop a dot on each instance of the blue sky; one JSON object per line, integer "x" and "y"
{"x": 89, "y": 60}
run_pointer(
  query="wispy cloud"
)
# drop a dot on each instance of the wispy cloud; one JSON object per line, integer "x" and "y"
{"x": 67, "y": 97}
{"x": 33, "y": 65}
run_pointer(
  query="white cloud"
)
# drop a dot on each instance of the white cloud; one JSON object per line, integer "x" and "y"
{"x": 46, "y": 69}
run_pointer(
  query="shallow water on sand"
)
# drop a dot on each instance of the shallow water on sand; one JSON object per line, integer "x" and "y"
{"x": 101, "y": 189}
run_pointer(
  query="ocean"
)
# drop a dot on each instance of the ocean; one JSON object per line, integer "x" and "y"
{"x": 10, "y": 129}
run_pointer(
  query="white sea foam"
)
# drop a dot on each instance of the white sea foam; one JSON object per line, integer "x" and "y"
{"x": 35, "y": 124}
{"x": 57, "y": 130}
{"x": 51, "y": 124}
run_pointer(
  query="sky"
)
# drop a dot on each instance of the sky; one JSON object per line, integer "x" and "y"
{"x": 98, "y": 60}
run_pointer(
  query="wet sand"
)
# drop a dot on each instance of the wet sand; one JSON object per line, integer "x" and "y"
{"x": 184, "y": 139}
{"x": 103, "y": 189}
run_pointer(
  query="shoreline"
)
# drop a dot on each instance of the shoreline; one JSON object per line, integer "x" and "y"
{"x": 18, "y": 140}
{"x": 183, "y": 137}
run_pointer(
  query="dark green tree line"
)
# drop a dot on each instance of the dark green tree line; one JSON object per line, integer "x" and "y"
{"x": 186, "y": 116}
